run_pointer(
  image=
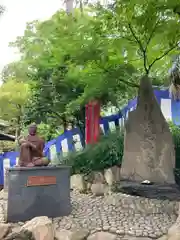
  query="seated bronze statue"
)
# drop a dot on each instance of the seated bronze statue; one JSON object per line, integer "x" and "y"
{"x": 31, "y": 150}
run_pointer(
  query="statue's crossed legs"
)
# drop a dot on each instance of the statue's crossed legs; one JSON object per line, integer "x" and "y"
{"x": 26, "y": 153}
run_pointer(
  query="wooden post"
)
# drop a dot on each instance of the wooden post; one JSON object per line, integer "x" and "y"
{"x": 92, "y": 122}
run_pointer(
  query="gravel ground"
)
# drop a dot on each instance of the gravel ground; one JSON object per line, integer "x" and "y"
{"x": 118, "y": 213}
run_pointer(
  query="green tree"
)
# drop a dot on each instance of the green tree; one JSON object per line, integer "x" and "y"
{"x": 149, "y": 29}
{"x": 15, "y": 70}
{"x": 13, "y": 96}
{"x": 67, "y": 64}
{"x": 100, "y": 54}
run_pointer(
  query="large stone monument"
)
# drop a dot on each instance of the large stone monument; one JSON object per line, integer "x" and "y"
{"x": 148, "y": 144}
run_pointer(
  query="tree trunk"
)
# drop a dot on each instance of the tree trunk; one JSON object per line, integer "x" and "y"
{"x": 18, "y": 127}
{"x": 69, "y": 6}
{"x": 64, "y": 122}
{"x": 81, "y": 7}
{"x": 80, "y": 117}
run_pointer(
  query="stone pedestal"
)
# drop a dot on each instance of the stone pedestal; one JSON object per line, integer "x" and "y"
{"x": 148, "y": 144}
{"x": 38, "y": 191}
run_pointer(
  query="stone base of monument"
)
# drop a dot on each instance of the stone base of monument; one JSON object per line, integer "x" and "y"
{"x": 38, "y": 191}
{"x": 169, "y": 192}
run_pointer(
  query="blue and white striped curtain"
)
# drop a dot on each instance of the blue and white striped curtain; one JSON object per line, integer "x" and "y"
{"x": 72, "y": 140}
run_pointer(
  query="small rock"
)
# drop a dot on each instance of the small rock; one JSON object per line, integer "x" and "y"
{"x": 120, "y": 231}
{"x": 88, "y": 186}
{"x": 41, "y": 228}
{"x": 20, "y": 223}
{"x": 80, "y": 234}
{"x": 175, "y": 236}
{"x": 98, "y": 189}
{"x": 106, "y": 228}
{"x": 102, "y": 236}
{"x": 174, "y": 230}
{"x": 71, "y": 235}
{"x": 138, "y": 238}
{"x": 98, "y": 177}
{"x": 113, "y": 230}
{"x": 78, "y": 182}
{"x": 21, "y": 235}
{"x": 163, "y": 238}
{"x": 15, "y": 228}
{"x": 4, "y": 229}
{"x": 3, "y": 194}
{"x": 112, "y": 175}
{"x": 63, "y": 234}
{"x": 2, "y": 218}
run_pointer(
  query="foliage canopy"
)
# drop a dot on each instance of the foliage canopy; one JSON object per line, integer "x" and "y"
{"x": 99, "y": 52}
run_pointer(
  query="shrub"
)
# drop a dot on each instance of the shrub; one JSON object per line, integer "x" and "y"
{"x": 109, "y": 152}
{"x": 176, "y": 137}
{"x": 106, "y": 153}
{"x": 175, "y": 130}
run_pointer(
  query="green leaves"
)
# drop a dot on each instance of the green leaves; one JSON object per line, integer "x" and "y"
{"x": 104, "y": 154}
{"x": 13, "y": 97}
{"x": 151, "y": 29}
{"x": 16, "y": 71}
{"x": 99, "y": 53}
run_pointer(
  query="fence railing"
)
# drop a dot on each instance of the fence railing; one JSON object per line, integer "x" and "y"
{"x": 71, "y": 140}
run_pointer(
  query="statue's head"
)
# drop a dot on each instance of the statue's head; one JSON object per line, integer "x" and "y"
{"x": 33, "y": 129}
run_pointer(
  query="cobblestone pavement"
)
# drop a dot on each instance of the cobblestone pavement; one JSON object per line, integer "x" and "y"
{"x": 117, "y": 213}
{"x": 120, "y": 214}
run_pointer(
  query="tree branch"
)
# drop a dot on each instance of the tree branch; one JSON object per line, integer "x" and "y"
{"x": 134, "y": 60}
{"x": 143, "y": 50}
{"x": 129, "y": 39}
{"x": 160, "y": 57}
{"x": 129, "y": 83}
{"x": 135, "y": 37}
{"x": 152, "y": 33}
{"x": 81, "y": 6}
{"x": 122, "y": 80}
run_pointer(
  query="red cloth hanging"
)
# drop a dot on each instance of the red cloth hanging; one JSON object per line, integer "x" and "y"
{"x": 92, "y": 122}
